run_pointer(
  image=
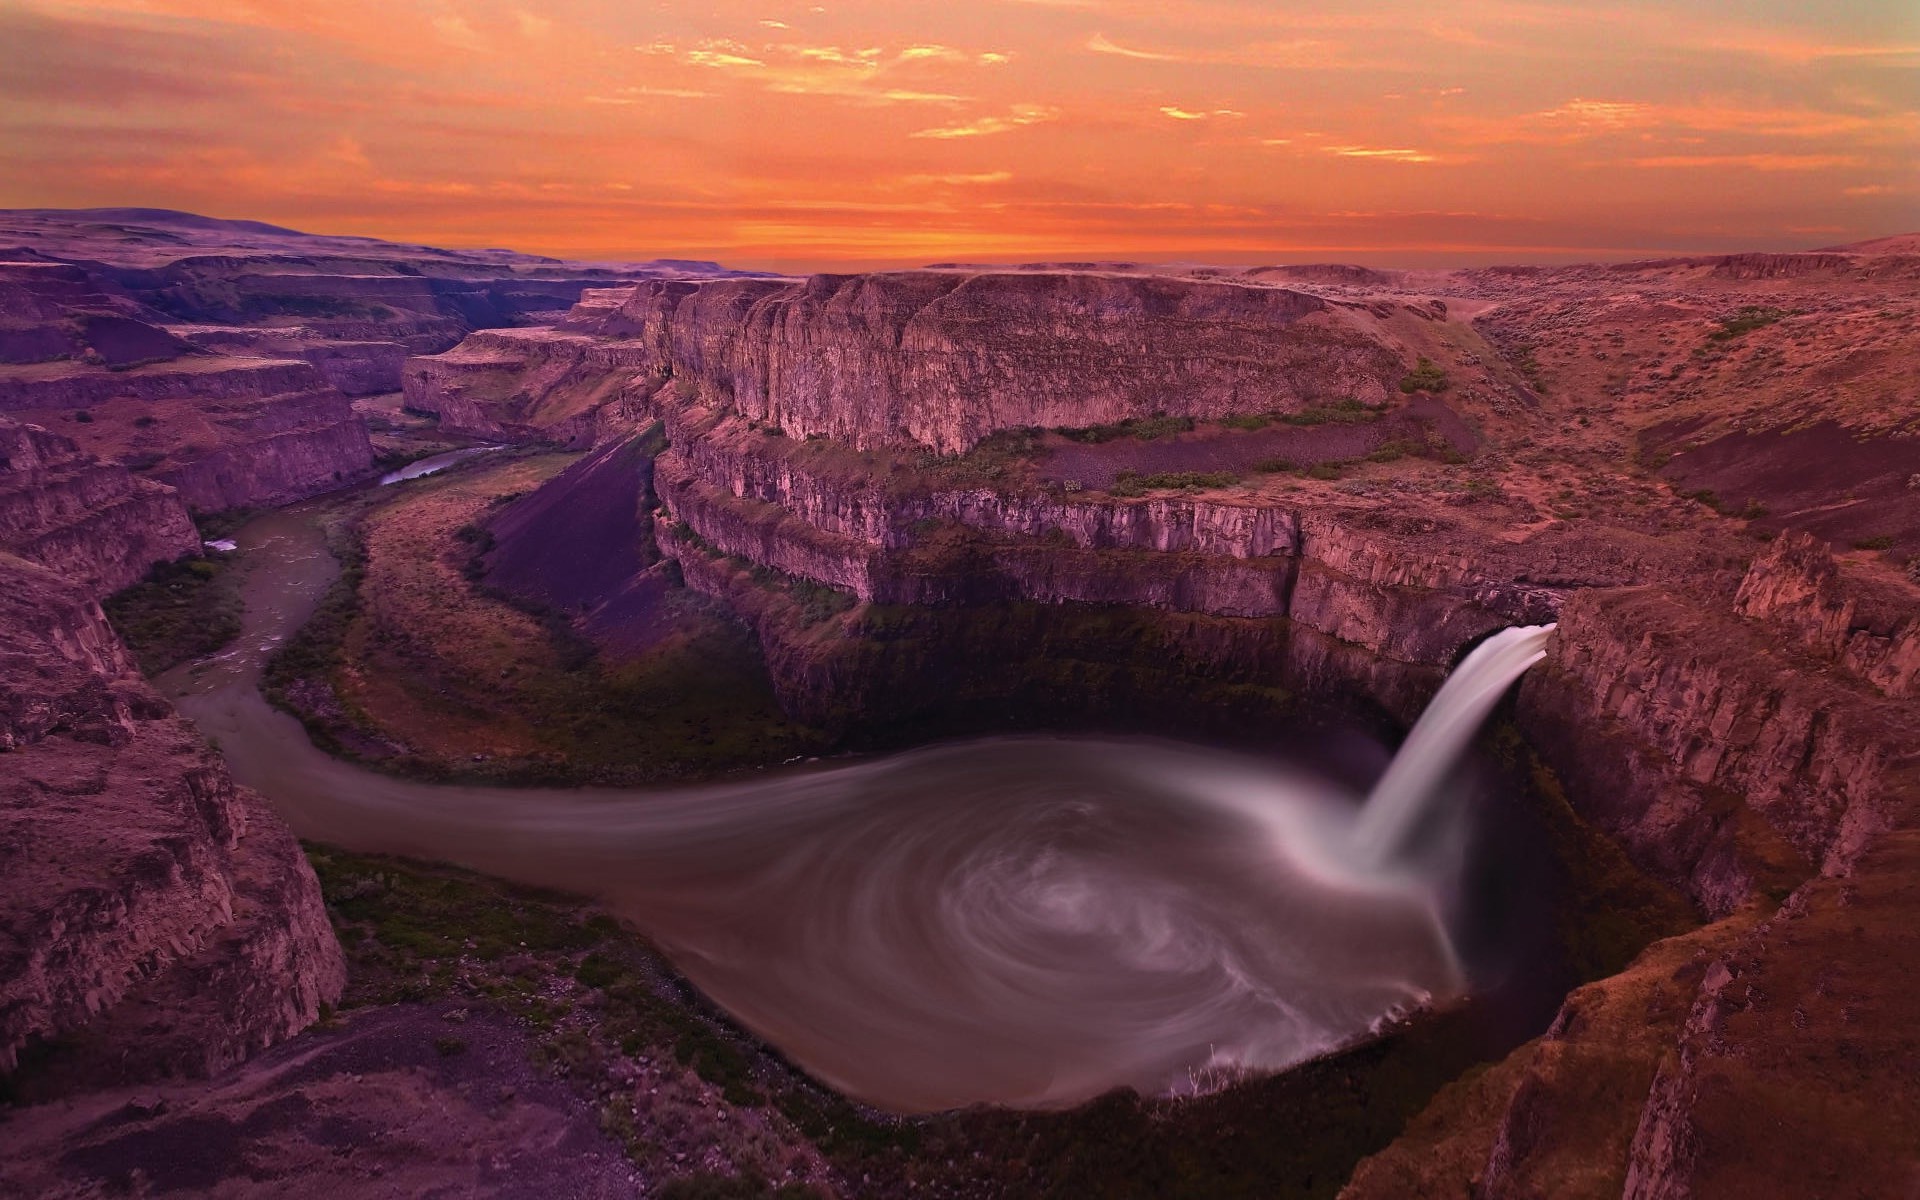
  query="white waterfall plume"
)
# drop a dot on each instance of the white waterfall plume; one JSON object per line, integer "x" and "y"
{"x": 1412, "y": 780}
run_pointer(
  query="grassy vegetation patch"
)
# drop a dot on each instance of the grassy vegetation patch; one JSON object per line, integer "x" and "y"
{"x": 1426, "y": 376}
{"x": 181, "y": 611}
{"x": 1748, "y": 318}
{"x": 1346, "y": 411}
{"x": 1133, "y": 483}
{"x": 442, "y": 676}
{"x": 1146, "y": 429}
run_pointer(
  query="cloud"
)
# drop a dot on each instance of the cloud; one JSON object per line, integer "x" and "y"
{"x": 1189, "y": 114}
{"x": 977, "y": 179}
{"x": 868, "y": 74}
{"x": 1020, "y": 116}
{"x": 1604, "y": 114}
{"x": 634, "y": 95}
{"x": 1301, "y": 54}
{"x": 1752, "y": 162}
{"x": 1100, "y": 44}
{"x": 1381, "y": 153}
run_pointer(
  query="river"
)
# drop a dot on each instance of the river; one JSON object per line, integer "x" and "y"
{"x": 1019, "y": 920}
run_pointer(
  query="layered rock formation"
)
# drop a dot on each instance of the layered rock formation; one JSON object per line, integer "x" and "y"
{"x": 942, "y": 359}
{"x": 154, "y": 919}
{"x": 1751, "y": 744}
{"x": 227, "y": 432}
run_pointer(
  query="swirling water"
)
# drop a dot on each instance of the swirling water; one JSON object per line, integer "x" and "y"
{"x": 1026, "y": 921}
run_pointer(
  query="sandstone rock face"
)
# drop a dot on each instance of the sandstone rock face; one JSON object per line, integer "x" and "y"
{"x": 155, "y": 919}
{"x": 944, "y": 359}
{"x": 90, "y": 521}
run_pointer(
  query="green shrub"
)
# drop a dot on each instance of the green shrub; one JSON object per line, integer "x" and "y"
{"x": 181, "y": 611}
{"x": 1874, "y": 543}
{"x": 598, "y": 971}
{"x": 1275, "y": 466}
{"x": 1426, "y": 376}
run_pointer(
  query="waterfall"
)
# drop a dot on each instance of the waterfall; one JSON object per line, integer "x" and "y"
{"x": 1440, "y": 736}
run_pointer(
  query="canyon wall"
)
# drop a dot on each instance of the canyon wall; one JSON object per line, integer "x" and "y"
{"x": 943, "y": 359}
{"x": 93, "y": 522}
{"x": 1737, "y": 739}
{"x": 226, "y": 432}
{"x": 157, "y": 920}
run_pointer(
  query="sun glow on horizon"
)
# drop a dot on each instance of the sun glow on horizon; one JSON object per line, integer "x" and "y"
{"x": 803, "y": 136}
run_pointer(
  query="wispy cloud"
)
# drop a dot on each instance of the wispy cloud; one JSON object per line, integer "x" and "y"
{"x": 1382, "y": 154}
{"x": 1752, "y": 162}
{"x": 1099, "y": 43}
{"x": 975, "y": 179}
{"x": 1197, "y": 114}
{"x": 1020, "y": 116}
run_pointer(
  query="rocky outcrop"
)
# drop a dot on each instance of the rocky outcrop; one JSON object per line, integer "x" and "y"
{"x": 352, "y": 367}
{"x": 154, "y": 918}
{"x": 1794, "y": 1072}
{"x": 1870, "y": 631}
{"x": 92, "y": 522}
{"x": 53, "y": 311}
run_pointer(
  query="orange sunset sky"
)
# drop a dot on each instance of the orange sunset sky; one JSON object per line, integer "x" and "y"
{"x": 841, "y": 134}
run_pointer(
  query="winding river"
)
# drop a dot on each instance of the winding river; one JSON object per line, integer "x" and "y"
{"x": 1026, "y": 921}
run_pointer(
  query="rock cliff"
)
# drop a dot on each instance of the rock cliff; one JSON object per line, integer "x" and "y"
{"x": 226, "y": 432}
{"x": 157, "y": 919}
{"x": 93, "y": 522}
{"x": 943, "y": 359}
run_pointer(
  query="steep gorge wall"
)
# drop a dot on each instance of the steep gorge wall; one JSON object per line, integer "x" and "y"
{"x": 944, "y": 359}
{"x": 290, "y": 448}
{"x": 154, "y": 919}
{"x": 226, "y": 432}
{"x": 1739, "y": 741}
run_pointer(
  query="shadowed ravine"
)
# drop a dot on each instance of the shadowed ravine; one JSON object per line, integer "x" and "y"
{"x": 1027, "y": 921}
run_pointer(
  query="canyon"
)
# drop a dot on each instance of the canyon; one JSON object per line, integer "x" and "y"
{"x": 1219, "y": 502}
